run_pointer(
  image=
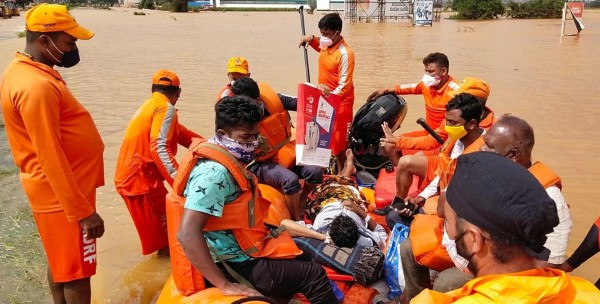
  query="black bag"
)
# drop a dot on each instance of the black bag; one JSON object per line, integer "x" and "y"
{"x": 366, "y": 132}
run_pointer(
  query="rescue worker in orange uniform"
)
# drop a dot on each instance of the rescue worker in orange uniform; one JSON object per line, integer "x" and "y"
{"x": 214, "y": 191}
{"x": 434, "y": 86}
{"x": 237, "y": 67}
{"x": 499, "y": 214}
{"x": 336, "y": 72}
{"x": 278, "y": 174}
{"x": 513, "y": 138}
{"x": 588, "y": 247}
{"x": 57, "y": 148}
{"x": 462, "y": 125}
{"x": 474, "y": 86}
{"x": 147, "y": 158}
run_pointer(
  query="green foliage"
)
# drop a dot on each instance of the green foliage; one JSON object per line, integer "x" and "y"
{"x": 180, "y": 6}
{"x": 593, "y": 4}
{"x": 312, "y": 4}
{"x": 20, "y": 34}
{"x": 147, "y": 4}
{"x": 478, "y": 9}
{"x": 536, "y": 9}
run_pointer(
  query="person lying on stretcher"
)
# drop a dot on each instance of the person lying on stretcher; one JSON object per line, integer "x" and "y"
{"x": 339, "y": 214}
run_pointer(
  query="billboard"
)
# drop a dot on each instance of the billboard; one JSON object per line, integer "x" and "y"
{"x": 397, "y": 8}
{"x": 423, "y": 12}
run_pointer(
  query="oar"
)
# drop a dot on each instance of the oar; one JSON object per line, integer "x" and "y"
{"x": 301, "y": 11}
{"x": 429, "y": 130}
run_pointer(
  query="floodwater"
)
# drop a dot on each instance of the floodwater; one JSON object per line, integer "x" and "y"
{"x": 552, "y": 83}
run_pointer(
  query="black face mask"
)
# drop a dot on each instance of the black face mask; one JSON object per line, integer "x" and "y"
{"x": 67, "y": 59}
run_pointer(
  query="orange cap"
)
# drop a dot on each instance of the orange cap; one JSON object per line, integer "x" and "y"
{"x": 238, "y": 65}
{"x": 474, "y": 86}
{"x": 165, "y": 77}
{"x": 47, "y": 18}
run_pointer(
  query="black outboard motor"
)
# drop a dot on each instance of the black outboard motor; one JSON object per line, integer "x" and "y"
{"x": 366, "y": 133}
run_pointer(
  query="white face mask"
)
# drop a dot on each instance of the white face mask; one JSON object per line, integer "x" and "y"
{"x": 430, "y": 81}
{"x": 326, "y": 42}
{"x": 460, "y": 262}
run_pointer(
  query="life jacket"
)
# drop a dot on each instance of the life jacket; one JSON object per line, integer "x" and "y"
{"x": 426, "y": 232}
{"x": 276, "y": 129}
{"x": 597, "y": 223}
{"x": 245, "y": 217}
{"x": 545, "y": 175}
{"x": 447, "y": 166}
{"x": 427, "y": 242}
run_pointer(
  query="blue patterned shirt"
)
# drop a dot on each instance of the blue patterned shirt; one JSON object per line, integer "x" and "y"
{"x": 209, "y": 188}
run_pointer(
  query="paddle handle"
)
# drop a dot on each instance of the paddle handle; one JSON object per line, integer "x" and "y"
{"x": 301, "y": 11}
{"x": 429, "y": 130}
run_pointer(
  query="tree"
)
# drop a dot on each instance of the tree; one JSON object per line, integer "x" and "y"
{"x": 180, "y": 5}
{"x": 536, "y": 9}
{"x": 478, "y": 9}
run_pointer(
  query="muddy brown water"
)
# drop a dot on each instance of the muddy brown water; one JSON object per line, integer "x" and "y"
{"x": 552, "y": 83}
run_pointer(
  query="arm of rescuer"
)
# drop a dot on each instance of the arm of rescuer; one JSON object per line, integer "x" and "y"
{"x": 162, "y": 130}
{"x": 311, "y": 40}
{"x": 426, "y": 142}
{"x": 404, "y": 89}
{"x": 296, "y": 230}
{"x": 185, "y": 135}
{"x": 41, "y": 117}
{"x": 345, "y": 72}
{"x": 290, "y": 103}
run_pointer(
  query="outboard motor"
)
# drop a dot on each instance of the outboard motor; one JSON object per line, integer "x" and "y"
{"x": 366, "y": 132}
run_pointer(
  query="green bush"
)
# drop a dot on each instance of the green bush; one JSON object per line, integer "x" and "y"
{"x": 148, "y": 4}
{"x": 478, "y": 9}
{"x": 593, "y": 4}
{"x": 536, "y": 9}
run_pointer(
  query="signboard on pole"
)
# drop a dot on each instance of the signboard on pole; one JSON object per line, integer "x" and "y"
{"x": 423, "y": 12}
{"x": 397, "y": 8}
{"x": 576, "y": 8}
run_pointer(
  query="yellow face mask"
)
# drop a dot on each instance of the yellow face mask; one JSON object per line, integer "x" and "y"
{"x": 456, "y": 132}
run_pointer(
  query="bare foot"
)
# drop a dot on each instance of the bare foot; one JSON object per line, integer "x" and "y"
{"x": 349, "y": 168}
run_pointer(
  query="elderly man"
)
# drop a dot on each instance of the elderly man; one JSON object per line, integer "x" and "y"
{"x": 499, "y": 214}
{"x": 513, "y": 138}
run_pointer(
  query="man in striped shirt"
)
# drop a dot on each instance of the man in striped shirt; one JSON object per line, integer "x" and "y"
{"x": 147, "y": 159}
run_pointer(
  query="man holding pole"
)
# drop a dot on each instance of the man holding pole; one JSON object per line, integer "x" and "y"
{"x": 336, "y": 68}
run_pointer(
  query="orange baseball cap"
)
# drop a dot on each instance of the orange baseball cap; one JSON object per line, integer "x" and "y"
{"x": 238, "y": 65}
{"x": 474, "y": 86}
{"x": 165, "y": 77}
{"x": 47, "y": 18}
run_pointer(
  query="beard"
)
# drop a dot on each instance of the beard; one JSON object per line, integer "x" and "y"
{"x": 461, "y": 249}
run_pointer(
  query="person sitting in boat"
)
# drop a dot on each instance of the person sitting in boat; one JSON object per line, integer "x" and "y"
{"x": 513, "y": 138}
{"x": 213, "y": 231}
{"x": 277, "y": 168}
{"x": 463, "y": 113}
{"x": 499, "y": 216}
{"x": 472, "y": 85}
{"x": 339, "y": 213}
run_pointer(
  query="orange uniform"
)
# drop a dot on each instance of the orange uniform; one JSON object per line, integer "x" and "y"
{"x": 58, "y": 150}
{"x": 435, "y": 100}
{"x": 427, "y": 142}
{"x": 146, "y": 160}
{"x": 226, "y": 91}
{"x": 336, "y": 70}
{"x": 527, "y": 287}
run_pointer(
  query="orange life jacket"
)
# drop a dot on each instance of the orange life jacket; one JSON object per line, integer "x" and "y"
{"x": 597, "y": 223}
{"x": 545, "y": 175}
{"x": 447, "y": 167}
{"x": 277, "y": 130}
{"x": 245, "y": 217}
{"x": 426, "y": 234}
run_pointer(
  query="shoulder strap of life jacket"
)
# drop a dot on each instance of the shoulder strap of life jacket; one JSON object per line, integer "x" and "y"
{"x": 270, "y": 99}
{"x": 545, "y": 175}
